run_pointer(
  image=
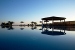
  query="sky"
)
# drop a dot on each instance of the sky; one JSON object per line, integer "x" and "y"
{"x": 34, "y": 10}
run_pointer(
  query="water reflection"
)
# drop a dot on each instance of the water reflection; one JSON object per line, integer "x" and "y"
{"x": 22, "y": 28}
{"x": 28, "y": 38}
{"x": 22, "y": 25}
{"x": 2, "y": 26}
{"x": 33, "y": 27}
{"x": 52, "y": 32}
{"x": 42, "y": 28}
{"x": 8, "y": 27}
{"x": 45, "y": 30}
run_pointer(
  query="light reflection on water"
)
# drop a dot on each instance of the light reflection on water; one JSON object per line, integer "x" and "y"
{"x": 36, "y": 38}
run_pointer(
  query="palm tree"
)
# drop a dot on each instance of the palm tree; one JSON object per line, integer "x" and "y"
{"x": 41, "y": 22}
{"x": 3, "y": 23}
{"x": 35, "y": 23}
{"x": 32, "y": 23}
{"x": 10, "y": 23}
{"x": 21, "y": 22}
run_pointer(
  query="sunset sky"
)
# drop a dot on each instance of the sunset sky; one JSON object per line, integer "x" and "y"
{"x": 34, "y": 10}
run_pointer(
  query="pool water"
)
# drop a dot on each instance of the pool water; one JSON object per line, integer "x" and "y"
{"x": 28, "y": 38}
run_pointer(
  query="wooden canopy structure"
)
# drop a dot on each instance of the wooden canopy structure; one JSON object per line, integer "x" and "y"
{"x": 52, "y": 18}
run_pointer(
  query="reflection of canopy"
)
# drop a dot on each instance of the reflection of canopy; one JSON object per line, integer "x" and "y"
{"x": 53, "y": 32}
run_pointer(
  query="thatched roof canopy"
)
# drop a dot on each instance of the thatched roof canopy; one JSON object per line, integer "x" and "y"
{"x": 54, "y": 18}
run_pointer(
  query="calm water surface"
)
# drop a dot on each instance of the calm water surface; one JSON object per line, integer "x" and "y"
{"x": 28, "y": 38}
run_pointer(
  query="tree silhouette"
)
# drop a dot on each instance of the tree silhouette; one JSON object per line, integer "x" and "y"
{"x": 21, "y": 22}
{"x": 7, "y": 24}
{"x": 3, "y": 23}
{"x": 32, "y": 23}
{"x": 35, "y": 23}
{"x": 40, "y": 21}
{"x": 10, "y": 23}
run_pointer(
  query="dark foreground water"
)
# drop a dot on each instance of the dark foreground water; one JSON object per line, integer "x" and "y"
{"x": 28, "y": 38}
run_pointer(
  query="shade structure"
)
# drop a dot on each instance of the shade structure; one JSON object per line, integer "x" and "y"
{"x": 54, "y": 18}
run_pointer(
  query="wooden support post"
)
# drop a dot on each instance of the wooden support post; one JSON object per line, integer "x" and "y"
{"x": 52, "y": 22}
{"x": 42, "y": 23}
{"x": 60, "y": 22}
{"x": 64, "y": 22}
{"x": 64, "y": 30}
{"x": 46, "y": 23}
